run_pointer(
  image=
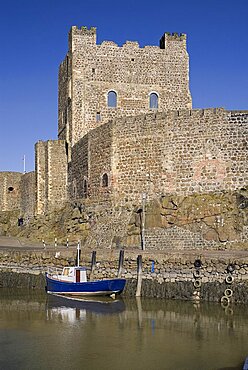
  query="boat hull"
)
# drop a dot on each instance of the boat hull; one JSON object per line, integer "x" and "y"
{"x": 90, "y": 288}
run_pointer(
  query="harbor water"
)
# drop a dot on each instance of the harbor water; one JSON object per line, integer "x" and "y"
{"x": 39, "y": 331}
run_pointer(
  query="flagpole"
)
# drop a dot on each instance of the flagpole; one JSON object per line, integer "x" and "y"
{"x": 24, "y": 163}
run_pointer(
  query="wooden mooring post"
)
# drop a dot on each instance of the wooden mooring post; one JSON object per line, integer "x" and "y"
{"x": 121, "y": 262}
{"x": 139, "y": 275}
{"x": 93, "y": 264}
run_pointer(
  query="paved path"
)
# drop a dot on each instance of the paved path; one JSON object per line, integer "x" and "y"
{"x": 11, "y": 243}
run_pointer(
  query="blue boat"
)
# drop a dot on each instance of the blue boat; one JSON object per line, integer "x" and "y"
{"x": 73, "y": 281}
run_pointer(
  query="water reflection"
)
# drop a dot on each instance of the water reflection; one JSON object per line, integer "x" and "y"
{"x": 71, "y": 309}
{"x": 119, "y": 334}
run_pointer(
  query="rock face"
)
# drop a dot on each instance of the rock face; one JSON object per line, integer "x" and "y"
{"x": 213, "y": 220}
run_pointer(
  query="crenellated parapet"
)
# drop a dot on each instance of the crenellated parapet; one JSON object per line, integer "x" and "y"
{"x": 81, "y": 37}
{"x": 172, "y": 37}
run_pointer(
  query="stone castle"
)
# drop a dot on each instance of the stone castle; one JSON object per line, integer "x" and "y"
{"x": 127, "y": 132}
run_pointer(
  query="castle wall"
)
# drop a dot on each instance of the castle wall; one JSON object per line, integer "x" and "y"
{"x": 10, "y": 191}
{"x": 90, "y": 71}
{"x": 91, "y": 160}
{"x": 51, "y": 175}
{"x": 180, "y": 152}
{"x": 27, "y": 192}
{"x": 79, "y": 168}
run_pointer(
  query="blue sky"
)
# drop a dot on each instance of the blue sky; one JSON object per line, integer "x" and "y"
{"x": 33, "y": 39}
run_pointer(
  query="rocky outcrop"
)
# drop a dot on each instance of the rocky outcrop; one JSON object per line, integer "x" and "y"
{"x": 213, "y": 220}
{"x": 217, "y": 217}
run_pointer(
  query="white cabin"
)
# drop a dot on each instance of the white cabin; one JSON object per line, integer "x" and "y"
{"x": 72, "y": 275}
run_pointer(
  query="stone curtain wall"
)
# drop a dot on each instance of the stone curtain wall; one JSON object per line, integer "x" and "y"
{"x": 27, "y": 191}
{"x": 10, "y": 191}
{"x": 90, "y": 71}
{"x": 179, "y": 152}
{"x": 51, "y": 175}
{"x": 175, "y": 152}
{"x": 79, "y": 168}
{"x": 91, "y": 159}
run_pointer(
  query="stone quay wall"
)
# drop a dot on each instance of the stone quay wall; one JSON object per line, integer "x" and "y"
{"x": 189, "y": 276}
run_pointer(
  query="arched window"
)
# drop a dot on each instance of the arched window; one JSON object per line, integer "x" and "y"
{"x": 112, "y": 99}
{"x": 104, "y": 180}
{"x": 153, "y": 102}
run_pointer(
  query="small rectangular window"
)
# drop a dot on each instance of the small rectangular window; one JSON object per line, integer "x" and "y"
{"x": 98, "y": 116}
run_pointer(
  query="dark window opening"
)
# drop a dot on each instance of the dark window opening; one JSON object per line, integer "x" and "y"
{"x": 132, "y": 59}
{"x": 153, "y": 103}
{"x": 10, "y": 189}
{"x": 85, "y": 188}
{"x": 66, "y": 148}
{"x": 74, "y": 191}
{"x": 93, "y": 70}
{"x": 112, "y": 99}
{"x": 105, "y": 181}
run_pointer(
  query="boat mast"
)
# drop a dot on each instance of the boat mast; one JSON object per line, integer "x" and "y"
{"x": 78, "y": 254}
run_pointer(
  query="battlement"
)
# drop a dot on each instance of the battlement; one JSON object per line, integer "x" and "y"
{"x": 171, "y": 114}
{"x": 82, "y": 31}
{"x": 79, "y": 37}
{"x": 171, "y": 37}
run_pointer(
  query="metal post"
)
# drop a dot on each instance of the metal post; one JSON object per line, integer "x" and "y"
{"x": 78, "y": 253}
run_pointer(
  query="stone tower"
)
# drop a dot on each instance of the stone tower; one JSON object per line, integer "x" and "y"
{"x": 100, "y": 82}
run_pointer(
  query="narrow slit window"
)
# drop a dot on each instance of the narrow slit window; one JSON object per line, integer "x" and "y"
{"x": 105, "y": 180}
{"x": 153, "y": 103}
{"x": 112, "y": 99}
{"x": 85, "y": 188}
{"x": 98, "y": 116}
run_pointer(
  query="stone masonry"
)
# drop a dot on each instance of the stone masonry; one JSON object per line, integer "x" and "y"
{"x": 90, "y": 71}
{"x": 127, "y": 132}
{"x": 176, "y": 152}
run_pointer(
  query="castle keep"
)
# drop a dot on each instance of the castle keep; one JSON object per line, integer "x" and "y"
{"x": 126, "y": 129}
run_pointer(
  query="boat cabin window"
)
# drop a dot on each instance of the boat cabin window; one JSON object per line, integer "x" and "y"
{"x": 66, "y": 271}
